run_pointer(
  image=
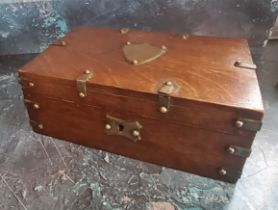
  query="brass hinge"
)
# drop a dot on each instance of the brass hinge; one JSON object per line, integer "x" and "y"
{"x": 128, "y": 129}
{"x": 164, "y": 98}
{"x": 81, "y": 83}
{"x": 238, "y": 151}
{"x": 248, "y": 124}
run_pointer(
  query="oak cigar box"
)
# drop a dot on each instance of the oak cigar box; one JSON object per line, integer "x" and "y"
{"x": 191, "y": 103}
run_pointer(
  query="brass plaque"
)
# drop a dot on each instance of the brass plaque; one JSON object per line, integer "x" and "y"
{"x": 138, "y": 54}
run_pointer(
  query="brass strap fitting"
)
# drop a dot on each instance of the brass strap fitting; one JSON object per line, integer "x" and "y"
{"x": 81, "y": 83}
{"x": 164, "y": 98}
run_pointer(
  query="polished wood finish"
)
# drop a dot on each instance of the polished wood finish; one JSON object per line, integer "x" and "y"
{"x": 187, "y": 112}
{"x": 186, "y": 148}
{"x": 211, "y": 95}
{"x": 203, "y": 67}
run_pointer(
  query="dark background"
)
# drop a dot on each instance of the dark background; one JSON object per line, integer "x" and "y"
{"x": 29, "y": 27}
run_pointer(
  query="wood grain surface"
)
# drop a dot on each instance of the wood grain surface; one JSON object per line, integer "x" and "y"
{"x": 203, "y": 67}
{"x": 185, "y": 112}
{"x": 185, "y": 148}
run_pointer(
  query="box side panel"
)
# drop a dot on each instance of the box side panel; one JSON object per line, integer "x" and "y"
{"x": 185, "y": 148}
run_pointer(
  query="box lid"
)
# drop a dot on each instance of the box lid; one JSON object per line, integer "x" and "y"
{"x": 202, "y": 67}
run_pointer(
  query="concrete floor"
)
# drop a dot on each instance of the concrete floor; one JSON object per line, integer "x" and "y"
{"x": 39, "y": 172}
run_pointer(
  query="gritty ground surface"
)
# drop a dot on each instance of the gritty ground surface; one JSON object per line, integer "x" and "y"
{"x": 39, "y": 172}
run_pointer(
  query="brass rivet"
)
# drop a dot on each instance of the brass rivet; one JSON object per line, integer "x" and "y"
{"x": 135, "y": 62}
{"x": 163, "y": 47}
{"x": 63, "y": 43}
{"x": 135, "y": 133}
{"x": 169, "y": 83}
{"x": 40, "y": 126}
{"x": 184, "y": 36}
{"x": 128, "y": 43}
{"x": 124, "y": 30}
{"x": 87, "y": 72}
{"x": 239, "y": 124}
{"x": 108, "y": 126}
{"x": 163, "y": 109}
{"x": 231, "y": 150}
{"x": 81, "y": 95}
{"x": 222, "y": 172}
{"x": 237, "y": 63}
{"x": 31, "y": 84}
{"x": 36, "y": 106}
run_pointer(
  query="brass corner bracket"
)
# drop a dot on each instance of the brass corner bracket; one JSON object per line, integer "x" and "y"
{"x": 248, "y": 124}
{"x": 240, "y": 64}
{"x": 36, "y": 125}
{"x": 35, "y": 105}
{"x": 25, "y": 83}
{"x": 238, "y": 151}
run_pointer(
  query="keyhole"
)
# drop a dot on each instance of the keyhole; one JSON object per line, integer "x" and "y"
{"x": 121, "y": 127}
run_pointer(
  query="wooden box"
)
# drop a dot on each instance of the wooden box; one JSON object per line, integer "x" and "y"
{"x": 191, "y": 103}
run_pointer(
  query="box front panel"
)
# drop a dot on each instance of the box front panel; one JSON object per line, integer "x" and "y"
{"x": 168, "y": 144}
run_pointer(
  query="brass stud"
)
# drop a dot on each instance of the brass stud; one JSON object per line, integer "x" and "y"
{"x": 108, "y": 126}
{"x": 163, "y": 47}
{"x": 128, "y": 43}
{"x": 237, "y": 63}
{"x": 31, "y": 84}
{"x": 163, "y": 109}
{"x": 36, "y": 106}
{"x": 60, "y": 43}
{"x": 135, "y": 133}
{"x": 82, "y": 95}
{"x": 231, "y": 150}
{"x": 169, "y": 83}
{"x": 134, "y": 62}
{"x": 40, "y": 126}
{"x": 184, "y": 36}
{"x": 87, "y": 72}
{"x": 222, "y": 172}
{"x": 63, "y": 43}
{"x": 239, "y": 124}
{"x": 124, "y": 30}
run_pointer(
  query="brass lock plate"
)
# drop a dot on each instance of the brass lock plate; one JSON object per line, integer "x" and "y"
{"x": 128, "y": 129}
